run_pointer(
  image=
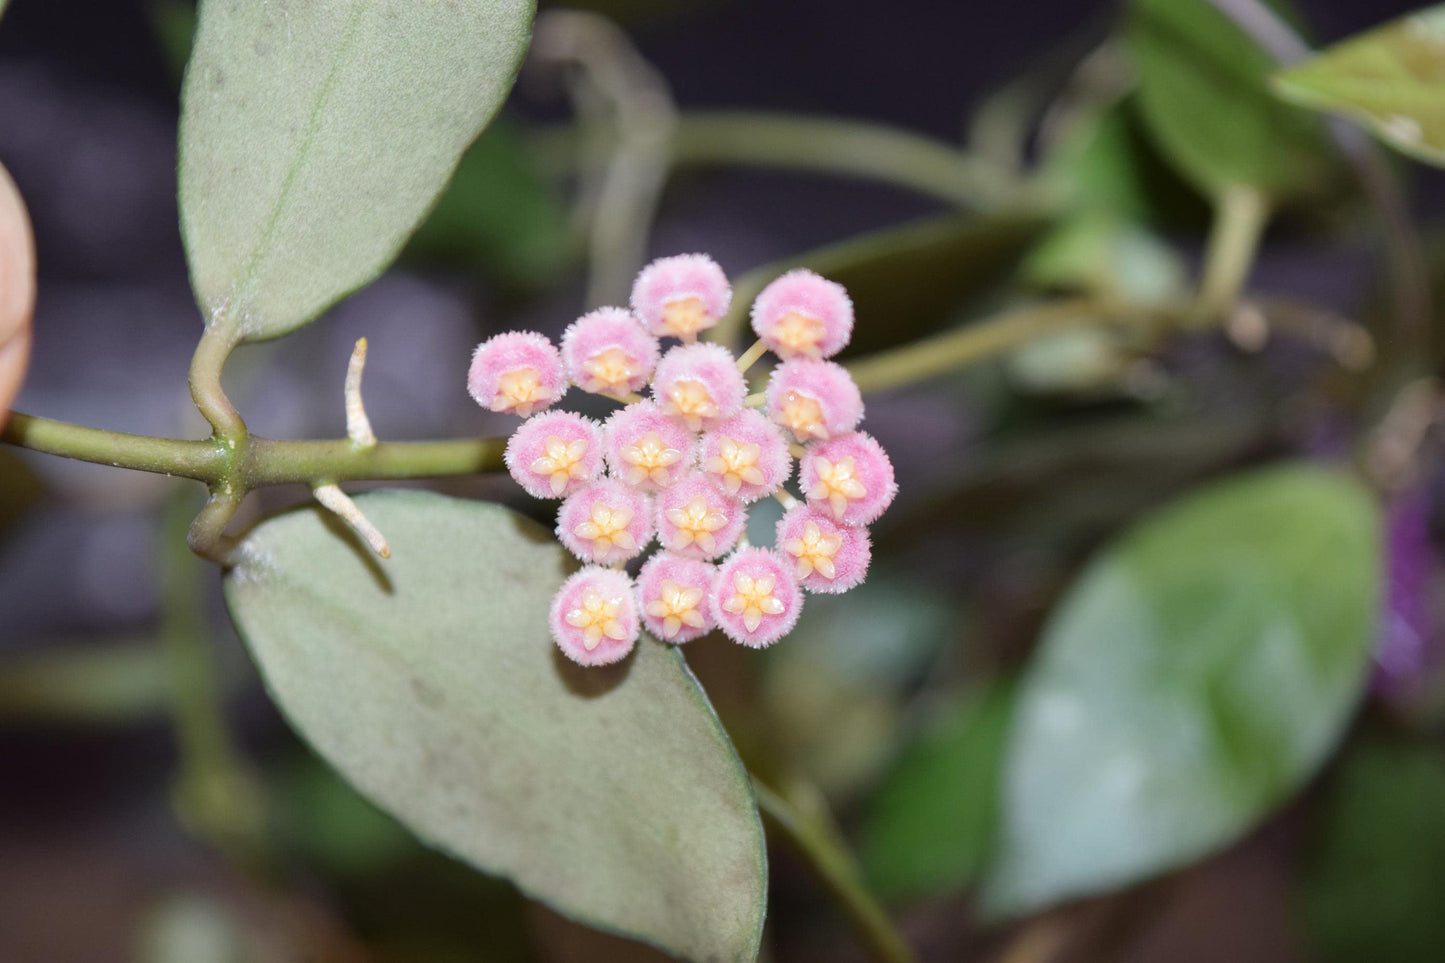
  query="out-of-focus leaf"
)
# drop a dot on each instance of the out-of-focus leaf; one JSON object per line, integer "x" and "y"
{"x": 904, "y": 280}
{"x": 192, "y": 929}
{"x": 17, "y": 291}
{"x": 174, "y": 24}
{"x": 315, "y": 137}
{"x": 1204, "y": 96}
{"x": 432, "y": 684}
{"x": 1100, "y": 253}
{"x": 115, "y": 681}
{"x": 498, "y": 213}
{"x": 1371, "y": 888}
{"x": 1391, "y": 79}
{"x": 932, "y": 823}
{"x": 1196, "y": 674}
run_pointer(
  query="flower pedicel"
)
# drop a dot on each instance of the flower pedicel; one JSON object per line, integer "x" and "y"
{"x": 684, "y": 464}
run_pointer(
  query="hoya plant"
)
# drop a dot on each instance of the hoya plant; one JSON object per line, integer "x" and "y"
{"x": 1016, "y": 568}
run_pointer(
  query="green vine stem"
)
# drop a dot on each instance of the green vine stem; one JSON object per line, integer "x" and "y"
{"x": 1240, "y": 215}
{"x": 214, "y": 348}
{"x": 836, "y": 869}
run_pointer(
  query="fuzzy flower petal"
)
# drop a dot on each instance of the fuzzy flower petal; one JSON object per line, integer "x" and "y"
{"x": 699, "y": 385}
{"x": 646, "y": 449}
{"x": 554, "y": 454}
{"x": 803, "y": 314}
{"x": 849, "y": 478}
{"x": 815, "y": 400}
{"x": 673, "y": 594}
{"x": 607, "y": 352}
{"x": 681, "y": 296}
{"x": 746, "y": 456}
{"x": 594, "y": 616}
{"x": 696, "y": 520}
{"x": 517, "y": 372}
{"x": 826, "y": 556}
{"x": 755, "y": 598}
{"x": 605, "y": 523}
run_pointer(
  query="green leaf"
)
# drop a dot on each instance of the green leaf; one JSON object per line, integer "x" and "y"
{"x": 432, "y": 684}
{"x": 932, "y": 823}
{"x": 314, "y": 137}
{"x": 1197, "y": 673}
{"x": 1371, "y": 887}
{"x": 1391, "y": 79}
{"x": 1205, "y": 100}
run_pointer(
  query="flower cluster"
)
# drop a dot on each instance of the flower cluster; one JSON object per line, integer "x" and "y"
{"x": 683, "y": 464}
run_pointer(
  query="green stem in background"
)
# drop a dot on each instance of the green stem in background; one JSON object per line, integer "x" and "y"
{"x": 829, "y": 860}
{"x": 1240, "y": 216}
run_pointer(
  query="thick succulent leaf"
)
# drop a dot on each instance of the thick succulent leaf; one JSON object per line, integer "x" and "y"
{"x": 314, "y": 137}
{"x": 1391, "y": 79}
{"x": 431, "y": 683}
{"x": 1197, "y": 673}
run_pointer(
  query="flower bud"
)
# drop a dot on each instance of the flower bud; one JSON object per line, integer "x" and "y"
{"x": 517, "y": 372}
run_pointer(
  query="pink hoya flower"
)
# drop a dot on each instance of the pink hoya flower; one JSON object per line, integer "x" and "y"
{"x": 519, "y": 372}
{"x": 605, "y": 523}
{"x": 699, "y": 385}
{"x": 607, "y": 352}
{"x": 815, "y": 400}
{"x": 696, "y": 520}
{"x": 554, "y": 454}
{"x": 849, "y": 477}
{"x": 673, "y": 592}
{"x": 594, "y": 616}
{"x": 827, "y": 557}
{"x": 746, "y": 456}
{"x": 681, "y": 296}
{"x": 755, "y": 598}
{"x": 803, "y": 314}
{"x": 645, "y": 448}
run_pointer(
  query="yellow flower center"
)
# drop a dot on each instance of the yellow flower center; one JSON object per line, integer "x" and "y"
{"x": 596, "y": 617}
{"x": 695, "y": 522}
{"x": 691, "y": 401}
{"x": 677, "y": 606}
{"x": 814, "y": 551}
{"x": 684, "y": 318}
{"x": 606, "y": 530}
{"x": 799, "y": 333}
{"x": 650, "y": 458}
{"x": 803, "y": 416}
{"x": 520, "y": 391}
{"x": 562, "y": 461}
{"x": 838, "y": 483}
{"x": 609, "y": 372}
{"x": 753, "y": 598}
{"x": 735, "y": 462}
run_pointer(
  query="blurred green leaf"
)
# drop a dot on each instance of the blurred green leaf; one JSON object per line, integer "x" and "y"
{"x": 1195, "y": 675}
{"x": 1371, "y": 887}
{"x": 315, "y": 137}
{"x": 432, "y": 684}
{"x": 932, "y": 823}
{"x": 1204, "y": 97}
{"x": 1391, "y": 79}
{"x": 174, "y": 24}
{"x": 192, "y": 929}
{"x": 1098, "y": 252}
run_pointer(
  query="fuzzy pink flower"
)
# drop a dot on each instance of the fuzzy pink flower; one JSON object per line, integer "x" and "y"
{"x": 803, "y": 314}
{"x": 681, "y": 296}
{"x": 696, "y": 520}
{"x": 605, "y": 523}
{"x": 518, "y": 372}
{"x": 607, "y": 352}
{"x": 746, "y": 456}
{"x": 554, "y": 454}
{"x": 645, "y": 448}
{"x": 673, "y": 593}
{"x": 755, "y": 599}
{"x": 849, "y": 477}
{"x": 827, "y": 557}
{"x": 594, "y": 616}
{"x": 815, "y": 400}
{"x": 699, "y": 385}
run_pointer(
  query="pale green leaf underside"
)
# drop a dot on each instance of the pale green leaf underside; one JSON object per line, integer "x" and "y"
{"x": 431, "y": 683}
{"x": 315, "y": 136}
{"x": 1392, "y": 79}
{"x": 1197, "y": 673}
